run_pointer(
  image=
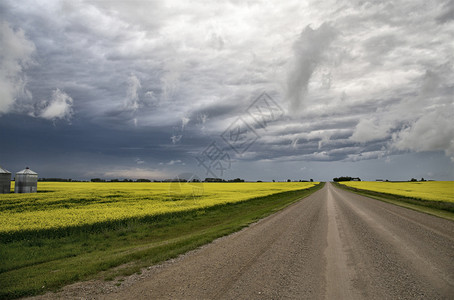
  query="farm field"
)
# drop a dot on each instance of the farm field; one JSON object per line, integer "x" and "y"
{"x": 432, "y": 197}
{"x": 69, "y": 232}
{"x": 426, "y": 190}
{"x": 63, "y": 205}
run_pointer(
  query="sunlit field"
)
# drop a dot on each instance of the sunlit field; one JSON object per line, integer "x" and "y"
{"x": 66, "y": 204}
{"x": 426, "y": 190}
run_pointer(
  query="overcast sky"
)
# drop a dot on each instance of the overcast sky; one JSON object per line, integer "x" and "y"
{"x": 252, "y": 89}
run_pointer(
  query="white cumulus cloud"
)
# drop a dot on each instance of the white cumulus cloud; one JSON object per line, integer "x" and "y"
{"x": 59, "y": 107}
{"x": 369, "y": 130}
{"x": 434, "y": 131}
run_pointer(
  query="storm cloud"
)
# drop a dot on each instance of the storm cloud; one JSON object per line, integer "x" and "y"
{"x": 100, "y": 86}
{"x": 15, "y": 57}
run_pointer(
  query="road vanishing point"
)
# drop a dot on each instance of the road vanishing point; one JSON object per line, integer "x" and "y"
{"x": 333, "y": 244}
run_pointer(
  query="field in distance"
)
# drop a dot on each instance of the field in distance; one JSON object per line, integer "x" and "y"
{"x": 426, "y": 190}
{"x": 60, "y": 205}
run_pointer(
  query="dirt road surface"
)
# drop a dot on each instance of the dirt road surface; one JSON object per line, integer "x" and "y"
{"x": 331, "y": 245}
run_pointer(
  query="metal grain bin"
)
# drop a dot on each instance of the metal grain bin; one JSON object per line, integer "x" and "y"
{"x": 26, "y": 181}
{"x": 5, "y": 181}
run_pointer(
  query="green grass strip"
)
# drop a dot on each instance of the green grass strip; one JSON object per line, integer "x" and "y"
{"x": 38, "y": 264}
{"x": 440, "y": 209}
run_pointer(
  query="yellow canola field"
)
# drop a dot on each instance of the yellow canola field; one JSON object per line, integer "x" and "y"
{"x": 65, "y": 204}
{"x": 426, "y": 190}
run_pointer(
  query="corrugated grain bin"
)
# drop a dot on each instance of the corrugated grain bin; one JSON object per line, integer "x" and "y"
{"x": 26, "y": 181}
{"x": 5, "y": 181}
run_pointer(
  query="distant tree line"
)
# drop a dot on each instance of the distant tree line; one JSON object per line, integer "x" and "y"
{"x": 414, "y": 179}
{"x": 301, "y": 180}
{"x": 208, "y": 179}
{"x": 223, "y": 180}
{"x": 59, "y": 180}
{"x": 167, "y": 180}
{"x": 55, "y": 179}
{"x": 118, "y": 180}
{"x": 336, "y": 179}
{"x": 346, "y": 178}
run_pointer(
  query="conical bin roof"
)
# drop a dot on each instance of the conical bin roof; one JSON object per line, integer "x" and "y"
{"x": 3, "y": 171}
{"x": 26, "y": 171}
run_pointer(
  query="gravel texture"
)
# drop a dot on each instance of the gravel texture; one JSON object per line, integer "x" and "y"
{"x": 331, "y": 245}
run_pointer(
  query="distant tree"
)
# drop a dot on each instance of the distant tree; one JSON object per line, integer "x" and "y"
{"x": 213, "y": 180}
{"x": 422, "y": 179}
{"x": 342, "y": 178}
{"x": 236, "y": 180}
{"x": 288, "y": 180}
{"x": 312, "y": 180}
{"x": 97, "y": 180}
{"x": 274, "y": 180}
{"x": 413, "y": 179}
{"x": 143, "y": 180}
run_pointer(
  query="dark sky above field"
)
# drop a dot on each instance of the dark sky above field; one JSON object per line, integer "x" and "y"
{"x": 252, "y": 89}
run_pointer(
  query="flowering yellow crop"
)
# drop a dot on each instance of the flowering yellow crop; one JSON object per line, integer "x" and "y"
{"x": 68, "y": 204}
{"x": 426, "y": 190}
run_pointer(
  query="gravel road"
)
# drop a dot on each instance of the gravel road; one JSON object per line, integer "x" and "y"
{"x": 331, "y": 245}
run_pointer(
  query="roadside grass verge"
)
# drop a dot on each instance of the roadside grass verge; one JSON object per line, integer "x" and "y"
{"x": 437, "y": 208}
{"x": 38, "y": 264}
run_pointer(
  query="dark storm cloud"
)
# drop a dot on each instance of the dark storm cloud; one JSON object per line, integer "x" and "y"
{"x": 447, "y": 13}
{"x": 130, "y": 86}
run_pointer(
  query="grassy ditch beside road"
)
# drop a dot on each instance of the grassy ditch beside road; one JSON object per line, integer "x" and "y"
{"x": 34, "y": 265}
{"x": 443, "y": 209}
